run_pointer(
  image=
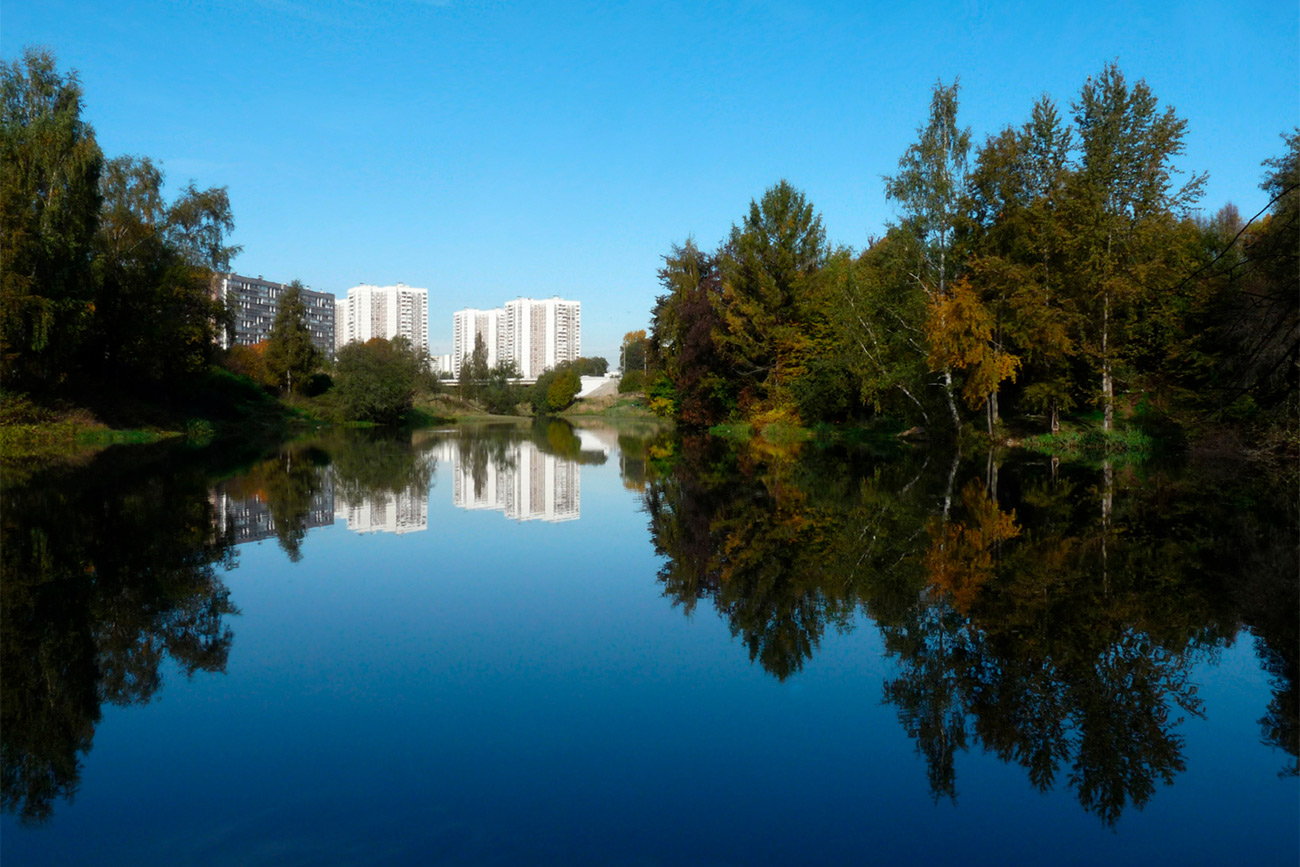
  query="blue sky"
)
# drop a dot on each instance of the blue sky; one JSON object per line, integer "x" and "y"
{"x": 488, "y": 150}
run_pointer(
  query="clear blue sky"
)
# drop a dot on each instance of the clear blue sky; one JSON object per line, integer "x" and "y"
{"x": 488, "y": 150}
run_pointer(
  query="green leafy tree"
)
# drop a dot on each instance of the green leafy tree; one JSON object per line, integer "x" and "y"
{"x": 474, "y": 371}
{"x": 155, "y": 317}
{"x": 1241, "y": 343}
{"x": 1019, "y": 184}
{"x": 465, "y": 379}
{"x": 501, "y": 393}
{"x": 590, "y": 366}
{"x": 49, "y": 212}
{"x": 198, "y": 223}
{"x": 633, "y": 361}
{"x": 770, "y": 268}
{"x": 631, "y": 382}
{"x": 377, "y": 380}
{"x": 880, "y": 331}
{"x": 1014, "y": 258}
{"x": 556, "y": 389}
{"x": 1120, "y": 204}
{"x": 690, "y": 379}
{"x": 632, "y": 352}
{"x": 563, "y": 389}
{"x": 290, "y": 354}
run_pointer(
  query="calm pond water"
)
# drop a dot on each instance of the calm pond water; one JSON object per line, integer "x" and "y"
{"x": 542, "y": 644}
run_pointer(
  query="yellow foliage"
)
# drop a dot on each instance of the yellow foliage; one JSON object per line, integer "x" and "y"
{"x": 959, "y": 330}
{"x": 781, "y": 414}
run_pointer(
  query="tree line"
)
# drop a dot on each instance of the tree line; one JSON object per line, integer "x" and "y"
{"x": 103, "y": 281}
{"x": 106, "y": 288}
{"x": 1060, "y": 266}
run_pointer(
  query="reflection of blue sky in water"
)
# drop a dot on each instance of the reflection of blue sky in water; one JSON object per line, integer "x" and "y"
{"x": 492, "y": 691}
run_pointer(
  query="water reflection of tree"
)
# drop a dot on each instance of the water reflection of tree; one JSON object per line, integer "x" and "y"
{"x": 557, "y": 437}
{"x": 1268, "y": 593}
{"x": 492, "y": 448}
{"x": 287, "y": 483}
{"x": 1052, "y": 618}
{"x": 108, "y": 571}
{"x": 358, "y": 465}
{"x": 371, "y": 464}
{"x": 496, "y": 446}
{"x": 741, "y": 530}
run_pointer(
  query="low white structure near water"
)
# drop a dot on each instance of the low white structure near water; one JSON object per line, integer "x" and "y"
{"x": 593, "y": 384}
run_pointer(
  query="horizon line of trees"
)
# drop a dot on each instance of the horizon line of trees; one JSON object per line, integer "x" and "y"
{"x": 1058, "y": 266}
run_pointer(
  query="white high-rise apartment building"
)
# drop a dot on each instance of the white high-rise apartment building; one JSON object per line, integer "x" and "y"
{"x": 541, "y": 334}
{"x": 535, "y": 334}
{"x": 383, "y": 311}
{"x": 470, "y": 324}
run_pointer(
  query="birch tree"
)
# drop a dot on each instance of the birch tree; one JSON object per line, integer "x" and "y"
{"x": 1123, "y": 188}
{"x": 929, "y": 189}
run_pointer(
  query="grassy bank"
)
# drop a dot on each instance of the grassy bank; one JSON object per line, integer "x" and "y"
{"x": 70, "y": 426}
{"x": 35, "y": 432}
{"x": 1089, "y": 442}
{"x": 614, "y": 406}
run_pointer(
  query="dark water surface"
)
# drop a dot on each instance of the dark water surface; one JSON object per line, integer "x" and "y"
{"x": 618, "y": 646}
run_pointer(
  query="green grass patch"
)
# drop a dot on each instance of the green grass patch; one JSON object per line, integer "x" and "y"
{"x": 33, "y": 435}
{"x": 622, "y": 406}
{"x": 107, "y": 437}
{"x": 1086, "y": 442}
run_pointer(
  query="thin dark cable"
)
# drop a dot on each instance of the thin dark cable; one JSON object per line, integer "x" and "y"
{"x": 1235, "y": 238}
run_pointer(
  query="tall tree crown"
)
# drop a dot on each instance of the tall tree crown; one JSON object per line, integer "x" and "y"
{"x": 932, "y": 182}
{"x": 49, "y": 209}
{"x": 1128, "y": 145}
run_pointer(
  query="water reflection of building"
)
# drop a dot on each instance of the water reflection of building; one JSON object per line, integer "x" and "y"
{"x": 249, "y": 518}
{"x": 248, "y": 514}
{"x": 526, "y": 483}
{"x": 404, "y": 512}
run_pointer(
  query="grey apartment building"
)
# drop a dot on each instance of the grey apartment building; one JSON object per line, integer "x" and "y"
{"x": 254, "y": 302}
